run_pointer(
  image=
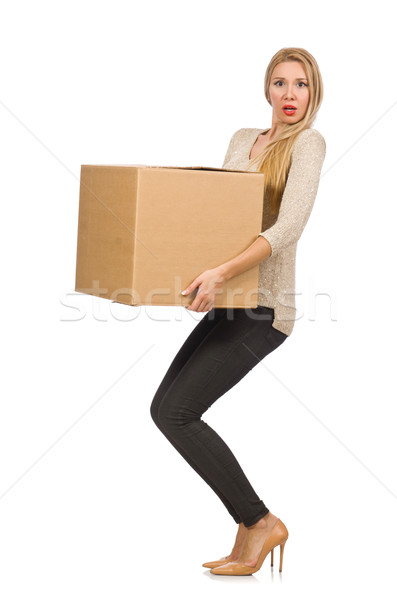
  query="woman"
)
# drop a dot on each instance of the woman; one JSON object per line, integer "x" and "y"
{"x": 227, "y": 343}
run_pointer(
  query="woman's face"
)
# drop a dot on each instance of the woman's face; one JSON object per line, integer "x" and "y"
{"x": 289, "y": 85}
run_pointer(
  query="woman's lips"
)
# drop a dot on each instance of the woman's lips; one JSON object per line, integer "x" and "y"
{"x": 289, "y": 111}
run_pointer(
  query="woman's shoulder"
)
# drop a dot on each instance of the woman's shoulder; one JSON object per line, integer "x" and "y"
{"x": 309, "y": 137}
{"x": 309, "y": 147}
{"x": 246, "y": 132}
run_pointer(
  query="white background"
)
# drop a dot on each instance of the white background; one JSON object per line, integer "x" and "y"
{"x": 94, "y": 501}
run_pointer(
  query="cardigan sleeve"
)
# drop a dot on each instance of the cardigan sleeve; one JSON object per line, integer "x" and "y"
{"x": 300, "y": 191}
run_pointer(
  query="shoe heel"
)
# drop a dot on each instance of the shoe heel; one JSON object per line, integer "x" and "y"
{"x": 281, "y": 555}
{"x": 282, "y": 544}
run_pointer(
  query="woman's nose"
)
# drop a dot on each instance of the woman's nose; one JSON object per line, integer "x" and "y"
{"x": 289, "y": 93}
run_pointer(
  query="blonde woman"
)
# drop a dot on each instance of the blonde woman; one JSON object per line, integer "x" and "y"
{"x": 227, "y": 343}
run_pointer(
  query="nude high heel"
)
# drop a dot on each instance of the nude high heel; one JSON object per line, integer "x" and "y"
{"x": 277, "y": 537}
{"x": 216, "y": 563}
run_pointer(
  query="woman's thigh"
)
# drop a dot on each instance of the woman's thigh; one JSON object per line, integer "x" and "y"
{"x": 237, "y": 340}
{"x": 189, "y": 346}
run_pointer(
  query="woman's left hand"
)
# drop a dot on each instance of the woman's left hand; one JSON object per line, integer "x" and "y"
{"x": 210, "y": 284}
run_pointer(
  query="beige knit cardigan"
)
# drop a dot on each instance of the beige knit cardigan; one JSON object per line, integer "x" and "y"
{"x": 277, "y": 273}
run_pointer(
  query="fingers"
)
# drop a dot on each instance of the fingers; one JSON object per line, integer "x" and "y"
{"x": 190, "y": 288}
{"x": 204, "y": 301}
{"x": 201, "y": 304}
{"x": 204, "y": 309}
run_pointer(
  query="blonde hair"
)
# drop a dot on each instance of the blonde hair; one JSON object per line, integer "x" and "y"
{"x": 275, "y": 160}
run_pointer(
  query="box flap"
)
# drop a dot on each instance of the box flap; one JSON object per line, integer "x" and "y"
{"x": 195, "y": 168}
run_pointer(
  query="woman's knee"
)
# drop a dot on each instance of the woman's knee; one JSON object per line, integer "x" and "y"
{"x": 161, "y": 413}
{"x": 154, "y": 410}
{"x": 173, "y": 413}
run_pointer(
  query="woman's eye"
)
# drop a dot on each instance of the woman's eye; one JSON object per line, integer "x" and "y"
{"x": 300, "y": 82}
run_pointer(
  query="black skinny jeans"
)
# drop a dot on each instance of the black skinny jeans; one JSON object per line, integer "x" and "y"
{"x": 223, "y": 347}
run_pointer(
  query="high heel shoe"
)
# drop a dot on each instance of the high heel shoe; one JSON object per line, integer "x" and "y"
{"x": 216, "y": 563}
{"x": 223, "y": 561}
{"x": 277, "y": 537}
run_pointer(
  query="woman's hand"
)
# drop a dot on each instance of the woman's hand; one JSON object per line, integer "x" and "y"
{"x": 209, "y": 284}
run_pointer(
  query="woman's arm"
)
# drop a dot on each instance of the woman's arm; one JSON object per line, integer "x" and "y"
{"x": 300, "y": 191}
{"x": 296, "y": 205}
{"x": 210, "y": 282}
{"x": 258, "y": 251}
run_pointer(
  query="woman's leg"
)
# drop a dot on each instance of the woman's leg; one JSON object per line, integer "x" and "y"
{"x": 195, "y": 338}
{"x": 229, "y": 349}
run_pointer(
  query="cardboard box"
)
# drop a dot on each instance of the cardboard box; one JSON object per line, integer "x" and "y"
{"x": 146, "y": 232}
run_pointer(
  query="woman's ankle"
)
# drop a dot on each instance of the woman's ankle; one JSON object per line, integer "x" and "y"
{"x": 264, "y": 522}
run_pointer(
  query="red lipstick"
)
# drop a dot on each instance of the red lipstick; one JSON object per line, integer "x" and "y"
{"x": 289, "y": 109}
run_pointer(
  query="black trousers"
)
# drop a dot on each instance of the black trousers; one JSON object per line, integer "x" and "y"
{"x": 223, "y": 347}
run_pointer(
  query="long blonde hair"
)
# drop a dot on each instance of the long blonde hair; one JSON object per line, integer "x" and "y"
{"x": 275, "y": 160}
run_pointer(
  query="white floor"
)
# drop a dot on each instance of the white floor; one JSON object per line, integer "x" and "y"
{"x": 97, "y": 504}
